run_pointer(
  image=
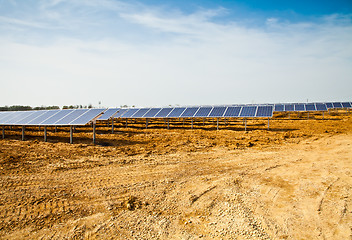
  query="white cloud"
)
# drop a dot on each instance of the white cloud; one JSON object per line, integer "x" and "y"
{"x": 175, "y": 58}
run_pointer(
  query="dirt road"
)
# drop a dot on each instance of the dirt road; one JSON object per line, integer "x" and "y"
{"x": 292, "y": 182}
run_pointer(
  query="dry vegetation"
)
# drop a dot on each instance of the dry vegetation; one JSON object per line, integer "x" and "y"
{"x": 291, "y": 182}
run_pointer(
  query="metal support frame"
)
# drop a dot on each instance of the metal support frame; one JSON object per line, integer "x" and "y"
{"x": 23, "y": 129}
{"x": 308, "y": 115}
{"x": 94, "y": 135}
{"x": 45, "y": 134}
{"x": 71, "y": 134}
{"x": 217, "y": 123}
{"x": 268, "y": 123}
{"x": 245, "y": 124}
{"x": 203, "y": 121}
{"x": 146, "y": 122}
{"x": 3, "y": 132}
{"x": 112, "y": 125}
{"x": 168, "y": 124}
{"x": 126, "y": 122}
{"x": 192, "y": 123}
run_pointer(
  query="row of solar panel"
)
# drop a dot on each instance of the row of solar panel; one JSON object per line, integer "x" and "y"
{"x": 191, "y": 112}
{"x": 50, "y": 117}
{"x": 306, "y": 107}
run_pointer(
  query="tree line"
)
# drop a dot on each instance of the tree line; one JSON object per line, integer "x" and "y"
{"x": 28, "y": 108}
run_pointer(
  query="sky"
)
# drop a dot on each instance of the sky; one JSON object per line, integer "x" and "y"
{"x": 153, "y": 53}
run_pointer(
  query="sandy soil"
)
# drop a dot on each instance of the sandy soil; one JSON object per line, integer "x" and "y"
{"x": 291, "y": 182}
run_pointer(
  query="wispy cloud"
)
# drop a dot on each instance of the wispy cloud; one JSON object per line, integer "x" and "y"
{"x": 129, "y": 53}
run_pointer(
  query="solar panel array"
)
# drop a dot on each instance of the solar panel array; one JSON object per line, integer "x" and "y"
{"x": 197, "y": 112}
{"x": 300, "y": 107}
{"x": 66, "y": 117}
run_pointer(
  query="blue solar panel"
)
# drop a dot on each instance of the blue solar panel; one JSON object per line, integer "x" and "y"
{"x": 279, "y": 108}
{"x": 190, "y": 111}
{"x": 289, "y": 107}
{"x": 152, "y": 112}
{"x": 248, "y": 111}
{"x": 129, "y": 113}
{"x": 163, "y": 112}
{"x": 203, "y": 112}
{"x": 71, "y": 117}
{"x": 108, "y": 113}
{"x": 310, "y": 107}
{"x": 120, "y": 113}
{"x": 87, "y": 116}
{"x": 265, "y": 111}
{"x": 53, "y": 119}
{"x": 9, "y": 116}
{"x": 232, "y": 111}
{"x": 346, "y": 105}
{"x": 300, "y": 107}
{"x": 329, "y": 105}
{"x": 16, "y": 116}
{"x": 29, "y": 118}
{"x": 38, "y": 120}
{"x": 176, "y": 112}
{"x": 217, "y": 112}
{"x": 140, "y": 113}
{"x": 321, "y": 107}
{"x": 337, "y": 105}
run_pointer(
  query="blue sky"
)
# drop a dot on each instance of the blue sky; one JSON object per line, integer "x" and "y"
{"x": 159, "y": 53}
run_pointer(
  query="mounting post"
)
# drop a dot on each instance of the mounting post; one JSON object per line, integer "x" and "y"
{"x": 3, "y": 132}
{"x": 268, "y": 123}
{"x": 192, "y": 123}
{"x": 203, "y": 121}
{"x": 146, "y": 122}
{"x": 217, "y": 123}
{"x": 112, "y": 125}
{"x": 45, "y": 135}
{"x": 308, "y": 116}
{"x": 94, "y": 133}
{"x": 126, "y": 122}
{"x": 168, "y": 124}
{"x": 23, "y": 129}
{"x": 245, "y": 124}
{"x": 71, "y": 134}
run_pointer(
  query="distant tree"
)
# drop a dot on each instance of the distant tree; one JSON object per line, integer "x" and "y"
{"x": 90, "y": 105}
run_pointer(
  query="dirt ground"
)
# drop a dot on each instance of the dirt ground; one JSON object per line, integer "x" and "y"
{"x": 293, "y": 181}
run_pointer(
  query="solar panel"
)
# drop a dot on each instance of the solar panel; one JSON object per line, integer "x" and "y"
{"x": 38, "y": 120}
{"x": 217, "y": 111}
{"x": 248, "y": 111}
{"x": 321, "y": 107}
{"x": 27, "y": 119}
{"x": 265, "y": 111}
{"x": 190, "y": 111}
{"x": 71, "y": 117}
{"x": 337, "y": 105}
{"x": 16, "y": 116}
{"x": 203, "y": 112}
{"x": 108, "y": 113}
{"x": 329, "y": 105}
{"x": 279, "y": 108}
{"x": 163, "y": 112}
{"x": 129, "y": 113}
{"x": 310, "y": 107}
{"x": 232, "y": 112}
{"x": 140, "y": 113}
{"x": 10, "y": 116}
{"x": 152, "y": 112}
{"x": 176, "y": 112}
{"x": 300, "y": 107}
{"x": 87, "y": 116}
{"x": 346, "y": 105}
{"x": 289, "y": 107}
{"x": 53, "y": 119}
{"x": 120, "y": 113}
{"x": 5, "y": 115}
